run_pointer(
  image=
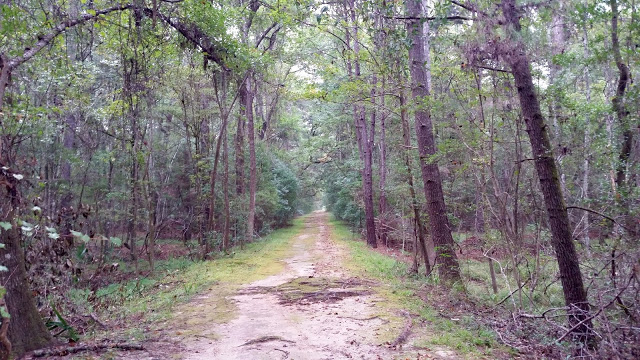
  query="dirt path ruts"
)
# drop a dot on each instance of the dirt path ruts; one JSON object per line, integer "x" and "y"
{"x": 288, "y": 317}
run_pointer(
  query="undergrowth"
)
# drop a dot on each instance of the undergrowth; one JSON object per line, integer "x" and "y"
{"x": 163, "y": 296}
{"x": 413, "y": 293}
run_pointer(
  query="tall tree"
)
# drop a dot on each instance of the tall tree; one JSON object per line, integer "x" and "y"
{"x": 446, "y": 259}
{"x": 363, "y": 137}
{"x": 572, "y": 285}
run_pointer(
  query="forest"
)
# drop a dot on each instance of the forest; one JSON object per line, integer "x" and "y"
{"x": 490, "y": 148}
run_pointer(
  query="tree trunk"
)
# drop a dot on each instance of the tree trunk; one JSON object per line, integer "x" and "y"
{"x": 618, "y": 99}
{"x": 214, "y": 172}
{"x": 239, "y": 145}
{"x": 587, "y": 146}
{"x": 26, "y": 328}
{"x": 225, "y": 189}
{"x": 572, "y": 285}
{"x": 558, "y": 40}
{"x": 446, "y": 258}
{"x": 383, "y": 205}
{"x": 406, "y": 136}
{"x": 253, "y": 174}
{"x": 624, "y": 77}
{"x": 152, "y": 204}
{"x": 365, "y": 145}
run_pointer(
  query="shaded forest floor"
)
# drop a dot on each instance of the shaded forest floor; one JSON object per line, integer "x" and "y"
{"x": 308, "y": 292}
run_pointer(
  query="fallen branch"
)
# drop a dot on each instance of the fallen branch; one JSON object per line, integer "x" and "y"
{"x": 544, "y": 313}
{"x": 404, "y": 335}
{"x": 264, "y": 339}
{"x": 363, "y": 319}
{"x": 76, "y": 349}
{"x": 95, "y": 319}
{"x": 589, "y": 318}
{"x": 286, "y": 353}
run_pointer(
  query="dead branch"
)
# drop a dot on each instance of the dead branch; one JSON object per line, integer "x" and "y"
{"x": 601, "y": 214}
{"x": 286, "y": 353}
{"x": 404, "y": 335}
{"x": 596, "y": 314}
{"x": 365, "y": 319}
{"x": 264, "y": 339}
{"x": 76, "y": 349}
{"x": 543, "y": 315}
{"x": 94, "y": 317}
{"x": 511, "y": 293}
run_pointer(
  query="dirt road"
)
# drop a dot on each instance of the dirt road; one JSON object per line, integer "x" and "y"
{"x": 314, "y": 309}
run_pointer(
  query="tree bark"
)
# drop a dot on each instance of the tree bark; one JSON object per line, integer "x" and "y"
{"x": 365, "y": 145}
{"x": 449, "y": 269}
{"x": 406, "y": 136}
{"x": 239, "y": 140}
{"x": 572, "y": 285}
{"x": 253, "y": 171}
{"x": 558, "y": 40}
{"x": 383, "y": 205}
{"x": 587, "y": 146}
{"x": 225, "y": 189}
{"x": 618, "y": 100}
{"x": 26, "y": 328}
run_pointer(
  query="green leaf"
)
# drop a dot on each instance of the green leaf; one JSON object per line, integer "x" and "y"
{"x": 25, "y": 224}
{"x": 5, "y": 225}
{"x": 53, "y": 235}
{"x": 80, "y": 236}
{"x": 4, "y": 313}
{"x": 116, "y": 241}
{"x": 3, "y": 268}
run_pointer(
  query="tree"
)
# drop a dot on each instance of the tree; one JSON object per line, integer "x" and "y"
{"x": 439, "y": 226}
{"x": 572, "y": 285}
{"x": 364, "y": 138}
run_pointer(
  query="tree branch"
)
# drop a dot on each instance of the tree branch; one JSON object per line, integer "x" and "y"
{"x": 195, "y": 35}
{"x": 29, "y": 52}
{"x": 455, "y": 17}
{"x": 601, "y": 214}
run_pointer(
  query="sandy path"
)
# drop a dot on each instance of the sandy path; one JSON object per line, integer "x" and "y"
{"x": 266, "y": 328}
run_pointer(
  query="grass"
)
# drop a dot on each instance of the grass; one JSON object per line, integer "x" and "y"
{"x": 477, "y": 283}
{"x": 162, "y": 299}
{"x": 401, "y": 290}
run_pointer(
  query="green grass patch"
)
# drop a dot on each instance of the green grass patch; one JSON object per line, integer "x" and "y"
{"x": 159, "y": 298}
{"x": 400, "y": 291}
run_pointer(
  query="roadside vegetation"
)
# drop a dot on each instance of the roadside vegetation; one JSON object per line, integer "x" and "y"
{"x": 135, "y": 308}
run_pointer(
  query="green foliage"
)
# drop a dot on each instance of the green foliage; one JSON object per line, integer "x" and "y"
{"x": 401, "y": 290}
{"x": 62, "y": 327}
{"x": 341, "y": 197}
{"x": 180, "y": 279}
